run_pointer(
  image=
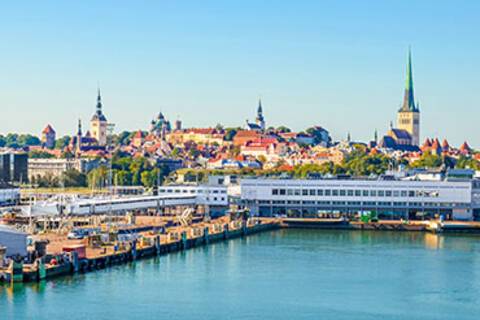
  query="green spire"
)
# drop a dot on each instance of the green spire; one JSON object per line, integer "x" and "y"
{"x": 408, "y": 99}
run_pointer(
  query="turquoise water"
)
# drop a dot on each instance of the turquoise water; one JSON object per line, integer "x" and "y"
{"x": 287, "y": 274}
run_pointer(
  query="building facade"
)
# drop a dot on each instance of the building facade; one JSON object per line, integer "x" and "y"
{"x": 55, "y": 167}
{"x": 9, "y": 195}
{"x": 388, "y": 198}
{"x": 14, "y": 167}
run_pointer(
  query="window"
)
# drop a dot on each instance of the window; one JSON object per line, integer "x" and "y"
{"x": 381, "y": 193}
{"x": 365, "y": 193}
{"x": 388, "y": 193}
{"x": 342, "y": 193}
{"x": 335, "y": 193}
{"x": 411, "y": 193}
{"x": 304, "y": 192}
{"x": 373, "y": 193}
{"x": 328, "y": 192}
{"x": 350, "y": 193}
{"x": 358, "y": 193}
{"x": 290, "y": 192}
{"x": 320, "y": 192}
{"x": 403, "y": 193}
{"x": 312, "y": 192}
{"x": 282, "y": 192}
{"x": 297, "y": 192}
{"x": 275, "y": 192}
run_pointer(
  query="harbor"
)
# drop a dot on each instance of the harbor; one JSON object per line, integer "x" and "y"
{"x": 118, "y": 240}
{"x": 55, "y": 255}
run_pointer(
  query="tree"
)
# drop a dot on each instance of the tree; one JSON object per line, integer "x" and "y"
{"x": 3, "y": 141}
{"x": 283, "y": 129}
{"x": 122, "y": 178}
{"x": 73, "y": 178}
{"x": 428, "y": 160}
{"x": 175, "y": 152}
{"x": 47, "y": 181}
{"x": 40, "y": 155}
{"x": 465, "y": 162}
{"x": 67, "y": 155}
{"x": 230, "y": 133}
{"x": 62, "y": 142}
{"x": 97, "y": 178}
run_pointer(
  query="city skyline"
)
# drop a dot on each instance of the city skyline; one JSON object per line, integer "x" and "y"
{"x": 203, "y": 80}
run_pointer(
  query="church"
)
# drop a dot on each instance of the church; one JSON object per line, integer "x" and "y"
{"x": 259, "y": 124}
{"x": 98, "y": 123}
{"x": 406, "y": 135}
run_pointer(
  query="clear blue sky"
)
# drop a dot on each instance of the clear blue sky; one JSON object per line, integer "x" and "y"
{"x": 339, "y": 64}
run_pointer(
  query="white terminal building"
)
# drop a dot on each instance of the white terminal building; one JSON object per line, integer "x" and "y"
{"x": 388, "y": 198}
{"x": 215, "y": 197}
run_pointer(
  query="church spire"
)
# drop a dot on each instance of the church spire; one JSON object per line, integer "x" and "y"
{"x": 99, "y": 101}
{"x": 408, "y": 98}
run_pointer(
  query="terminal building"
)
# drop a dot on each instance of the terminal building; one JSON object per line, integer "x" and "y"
{"x": 389, "y": 198}
{"x": 9, "y": 194}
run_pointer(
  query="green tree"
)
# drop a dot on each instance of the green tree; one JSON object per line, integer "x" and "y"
{"x": 97, "y": 178}
{"x": 62, "y": 142}
{"x": 39, "y": 155}
{"x": 428, "y": 160}
{"x": 73, "y": 178}
{"x": 283, "y": 129}
{"x": 230, "y": 133}
{"x": 122, "y": 178}
{"x": 464, "y": 162}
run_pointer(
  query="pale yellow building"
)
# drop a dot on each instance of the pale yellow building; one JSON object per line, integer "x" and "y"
{"x": 99, "y": 124}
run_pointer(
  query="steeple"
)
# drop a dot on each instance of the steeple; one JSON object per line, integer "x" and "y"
{"x": 260, "y": 120}
{"x": 99, "y": 101}
{"x": 98, "y": 115}
{"x": 259, "y": 109}
{"x": 408, "y": 98}
{"x": 79, "y": 131}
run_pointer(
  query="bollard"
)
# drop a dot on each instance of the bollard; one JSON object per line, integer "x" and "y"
{"x": 134, "y": 249}
{"x": 184, "y": 241}
{"x": 157, "y": 244}
{"x": 225, "y": 231}
{"x": 206, "y": 236}
{"x": 16, "y": 271}
{"x": 41, "y": 271}
{"x": 75, "y": 262}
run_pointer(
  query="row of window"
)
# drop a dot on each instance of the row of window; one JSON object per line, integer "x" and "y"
{"x": 191, "y": 191}
{"x": 357, "y": 203}
{"x": 355, "y": 193}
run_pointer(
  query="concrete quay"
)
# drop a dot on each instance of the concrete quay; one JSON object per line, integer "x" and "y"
{"x": 149, "y": 245}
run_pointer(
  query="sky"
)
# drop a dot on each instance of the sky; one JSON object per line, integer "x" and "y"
{"x": 338, "y": 64}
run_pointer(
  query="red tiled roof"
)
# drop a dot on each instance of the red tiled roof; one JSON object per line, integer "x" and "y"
{"x": 48, "y": 129}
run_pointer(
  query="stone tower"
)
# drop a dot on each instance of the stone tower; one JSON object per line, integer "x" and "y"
{"x": 98, "y": 124}
{"x": 408, "y": 117}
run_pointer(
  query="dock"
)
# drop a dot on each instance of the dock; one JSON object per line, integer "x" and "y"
{"x": 65, "y": 257}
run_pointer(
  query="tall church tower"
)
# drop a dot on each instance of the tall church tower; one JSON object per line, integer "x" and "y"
{"x": 260, "y": 120}
{"x": 98, "y": 123}
{"x": 408, "y": 117}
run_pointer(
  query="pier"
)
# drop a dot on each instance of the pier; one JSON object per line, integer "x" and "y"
{"x": 64, "y": 257}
